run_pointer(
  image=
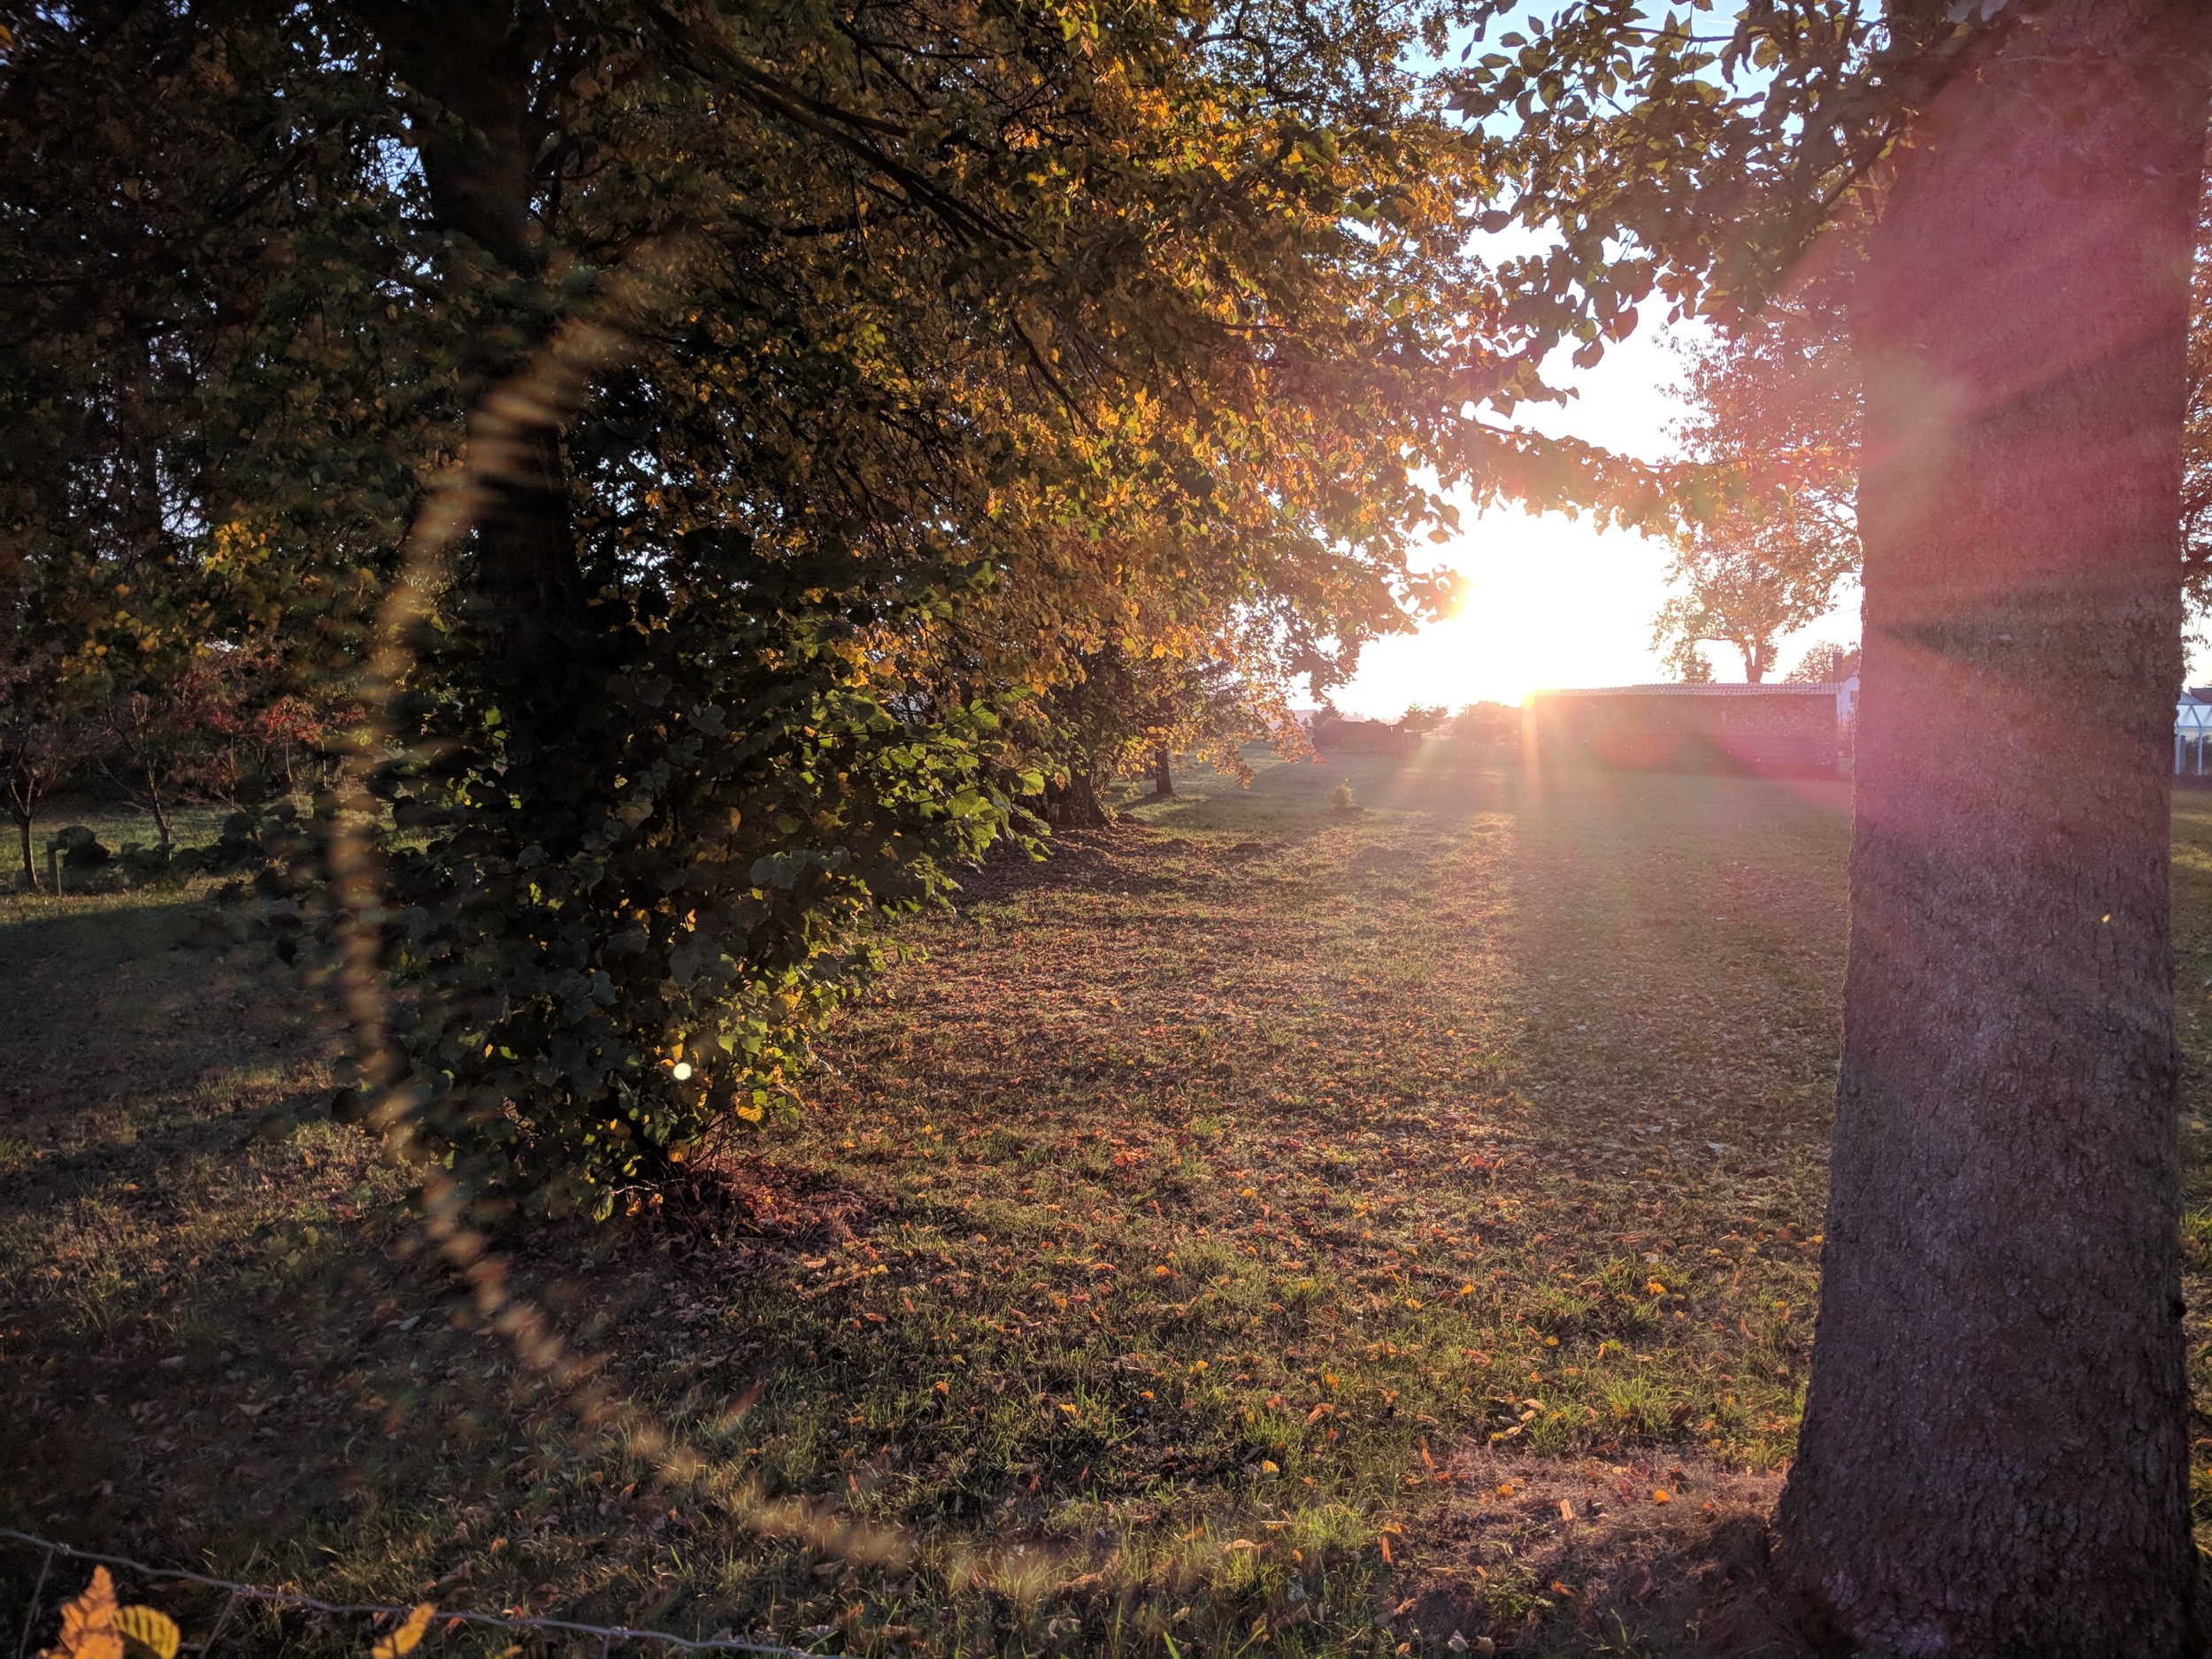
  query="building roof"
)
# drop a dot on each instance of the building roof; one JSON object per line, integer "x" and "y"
{"x": 1679, "y": 688}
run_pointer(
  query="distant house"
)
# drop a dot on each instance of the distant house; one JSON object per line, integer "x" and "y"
{"x": 1775, "y": 729}
{"x": 2193, "y": 733}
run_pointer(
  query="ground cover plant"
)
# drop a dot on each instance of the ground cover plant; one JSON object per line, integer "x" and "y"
{"x": 1243, "y": 1231}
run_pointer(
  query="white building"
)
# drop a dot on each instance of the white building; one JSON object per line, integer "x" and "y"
{"x": 2192, "y": 727}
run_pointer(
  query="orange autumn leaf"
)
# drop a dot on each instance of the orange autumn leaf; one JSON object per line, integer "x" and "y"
{"x": 407, "y": 1637}
{"x": 88, "y": 1622}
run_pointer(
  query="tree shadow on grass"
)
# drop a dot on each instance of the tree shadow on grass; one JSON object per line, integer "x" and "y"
{"x": 129, "y": 1043}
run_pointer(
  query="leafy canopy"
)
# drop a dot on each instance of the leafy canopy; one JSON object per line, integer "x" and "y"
{"x": 762, "y": 412}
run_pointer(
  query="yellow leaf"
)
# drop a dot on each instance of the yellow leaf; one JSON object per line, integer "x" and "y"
{"x": 405, "y": 1640}
{"x": 88, "y": 1622}
{"x": 149, "y": 1630}
{"x": 1660, "y": 1494}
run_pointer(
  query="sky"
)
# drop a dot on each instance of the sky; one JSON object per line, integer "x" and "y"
{"x": 1553, "y": 600}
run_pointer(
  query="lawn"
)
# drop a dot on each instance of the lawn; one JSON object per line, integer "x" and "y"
{"x": 1261, "y": 1227}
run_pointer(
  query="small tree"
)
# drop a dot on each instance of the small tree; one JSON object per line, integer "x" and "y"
{"x": 1826, "y": 663}
{"x": 152, "y": 741}
{"x": 1489, "y": 725}
{"x": 42, "y": 743}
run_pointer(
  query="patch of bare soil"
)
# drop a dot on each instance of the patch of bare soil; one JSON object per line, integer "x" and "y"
{"x": 1660, "y": 1556}
{"x": 750, "y": 1195}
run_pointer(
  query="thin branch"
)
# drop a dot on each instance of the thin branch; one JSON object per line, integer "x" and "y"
{"x": 856, "y": 133}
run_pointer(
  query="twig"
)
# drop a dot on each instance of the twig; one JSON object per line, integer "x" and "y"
{"x": 30, "y": 1612}
{"x": 607, "y": 1635}
{"x": 221, "y": 1624}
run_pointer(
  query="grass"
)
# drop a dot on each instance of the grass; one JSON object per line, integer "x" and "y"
{"x": 1243, "y": 1231}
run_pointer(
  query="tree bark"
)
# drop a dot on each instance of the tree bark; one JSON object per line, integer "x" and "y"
{"x": 1993, "y": 1458}
{"x": 1075, "y": 804}
{"x": 30, "y": 861}
{"x": 160, "y": 812}
{"x": 1162, "y": 774}
{"x": 473, "y": 60}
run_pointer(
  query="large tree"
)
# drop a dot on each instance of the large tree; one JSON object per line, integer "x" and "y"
{"x": 762, "y": 412}
{"x": 2000, "y": 1348}
{"x": 1993, "y": 1458}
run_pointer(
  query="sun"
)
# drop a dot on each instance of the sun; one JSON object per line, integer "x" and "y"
{"x": 1548, "y": 601}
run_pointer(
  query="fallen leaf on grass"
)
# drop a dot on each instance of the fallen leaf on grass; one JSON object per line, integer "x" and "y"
{"x": 407, "y": 1637}
{"x": 93, "y": 1627}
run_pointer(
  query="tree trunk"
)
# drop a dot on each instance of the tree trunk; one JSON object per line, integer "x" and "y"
{"x": 1075, "y": 804}
{"x": 154, "y": 805}
{"x": 474, "y": 59}
{"x": 30, "y": 861}
{"x": 1162, "y": 774}
{"x": 1993, "y": 1458}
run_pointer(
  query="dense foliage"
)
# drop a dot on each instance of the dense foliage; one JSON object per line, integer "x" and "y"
{"x": 824, "y": 395}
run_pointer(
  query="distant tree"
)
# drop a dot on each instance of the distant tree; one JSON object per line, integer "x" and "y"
{"x": 1826, "y": 663}
{"x": 1744, "y": 593}
{"x": 150, "y": 743}
{"x": 219, "y": 726}
{"x": 1492, "y": 724}
{"x": 2196, "y": 482}
{"x": 1422, "y": 718}
{"x": 1774, "y": 426}
{"x": 42, "y": 741}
